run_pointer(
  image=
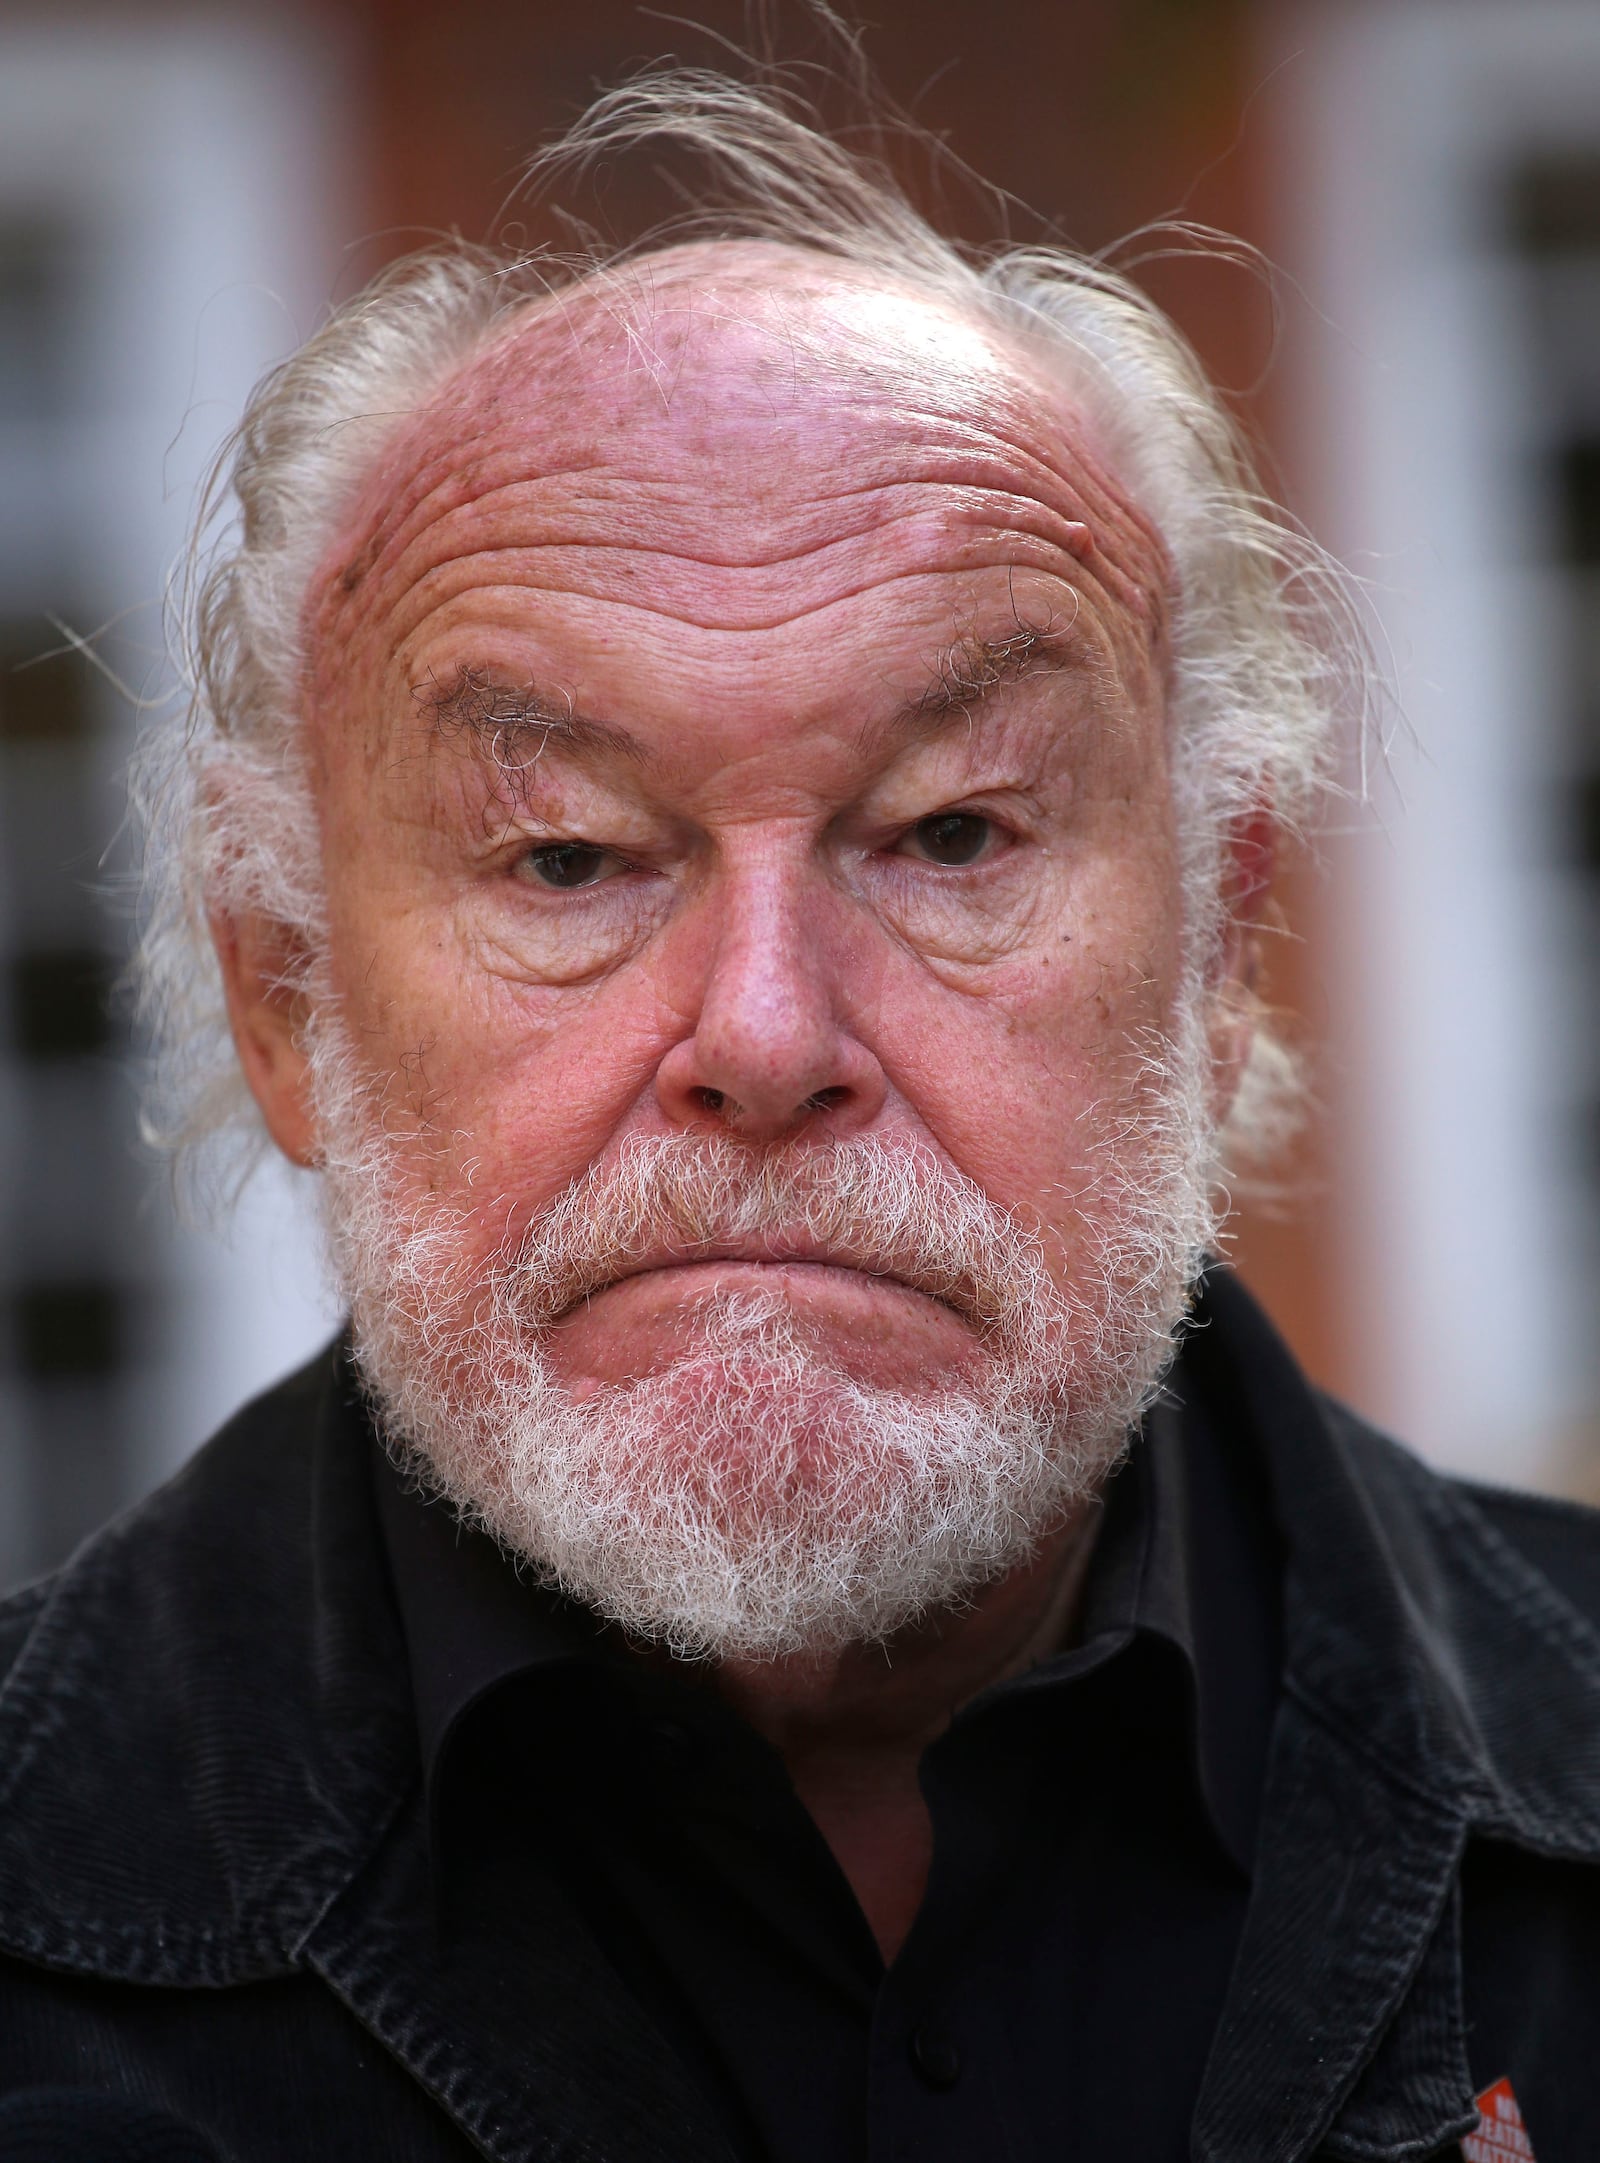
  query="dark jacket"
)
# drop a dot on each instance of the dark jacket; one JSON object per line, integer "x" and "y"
{"x": 214, "y": 1885}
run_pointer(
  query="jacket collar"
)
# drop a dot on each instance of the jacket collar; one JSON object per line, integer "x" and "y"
{"x": 1435, "y": 1685}
{"x": 231, "y": 1635}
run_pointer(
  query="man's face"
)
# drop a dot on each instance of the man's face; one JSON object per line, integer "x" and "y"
{"x": 746, "y": 722}
{"x": 664, "y": 785}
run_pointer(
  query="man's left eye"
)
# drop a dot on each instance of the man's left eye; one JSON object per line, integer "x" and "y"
{"x": 566, "y": 864}
{"x": 952, "y": 838}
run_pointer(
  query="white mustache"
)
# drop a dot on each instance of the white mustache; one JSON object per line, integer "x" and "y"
{"x": 885, "y": 1209}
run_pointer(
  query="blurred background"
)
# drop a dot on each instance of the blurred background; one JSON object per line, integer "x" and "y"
{"x": 184, "y": 190}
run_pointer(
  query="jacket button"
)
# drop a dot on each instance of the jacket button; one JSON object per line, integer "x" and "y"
{"x": 936, "y": 2058}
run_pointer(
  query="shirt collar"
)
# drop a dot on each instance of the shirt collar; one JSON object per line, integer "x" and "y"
{"x": 1190, "y": 1556}
{"x": 472, "y": 1618}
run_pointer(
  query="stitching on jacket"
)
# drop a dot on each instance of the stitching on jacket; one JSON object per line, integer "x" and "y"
{"x": 1446, "y": 1803}
{"x": 1492, "y": 1558}
{"x": 1498, "y": 1567}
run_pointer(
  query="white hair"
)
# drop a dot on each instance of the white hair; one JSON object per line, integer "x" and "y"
{"x": 1264, "y": 638}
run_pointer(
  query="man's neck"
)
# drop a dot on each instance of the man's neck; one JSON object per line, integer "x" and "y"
{"x": 851, "y": 1726}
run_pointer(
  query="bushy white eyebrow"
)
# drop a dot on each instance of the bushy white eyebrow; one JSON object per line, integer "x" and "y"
{"x": 515, "y": 723}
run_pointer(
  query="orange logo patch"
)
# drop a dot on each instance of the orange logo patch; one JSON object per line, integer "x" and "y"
{"x": 1501, "y": 2136}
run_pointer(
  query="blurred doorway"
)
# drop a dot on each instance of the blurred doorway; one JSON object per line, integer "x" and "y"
{"x": 165, "y": 210}
{"x": 1442, "y": 164}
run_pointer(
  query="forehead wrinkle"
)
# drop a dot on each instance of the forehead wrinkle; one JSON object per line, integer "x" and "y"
{"x": 568, "y": 352}
{"x": 1000, "y": 477}
{"x": 631, "y": 501}
{"x": 984, "y": 540}
{"x": 630, "y": 604}
{"x": 512, "y": 444}
{"x": 1000, "y": 487}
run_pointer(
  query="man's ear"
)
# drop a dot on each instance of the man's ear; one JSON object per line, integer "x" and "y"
{"x": 260, "y": 960}
{"x": 1249, "y": 858}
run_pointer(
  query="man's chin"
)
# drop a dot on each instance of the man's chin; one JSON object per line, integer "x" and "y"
{"x": 737, "y": 1509}
{"x": 766, "y": 1455}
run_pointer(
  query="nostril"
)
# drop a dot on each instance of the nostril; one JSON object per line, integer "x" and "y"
{"x": 825, "y": 1099}
{"x": 711, "y": 1100}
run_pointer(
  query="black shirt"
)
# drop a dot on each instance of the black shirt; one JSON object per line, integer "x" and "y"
{"x": 1094, "y": 1827}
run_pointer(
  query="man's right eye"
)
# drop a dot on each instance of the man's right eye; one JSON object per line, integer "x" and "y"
{"x": 566, "y": 864}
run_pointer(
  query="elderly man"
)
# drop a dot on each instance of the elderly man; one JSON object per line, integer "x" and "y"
{"x": 732, "y": 788}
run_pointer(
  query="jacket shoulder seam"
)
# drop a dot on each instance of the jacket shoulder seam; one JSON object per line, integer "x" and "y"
{"x": 1513, "y": 1579}
{"x": 1464, "y": 1511}
{"x": 1526, "y": 1502}
{"x": 26, "y": 1600}
{"x": 1350, "y": 1736}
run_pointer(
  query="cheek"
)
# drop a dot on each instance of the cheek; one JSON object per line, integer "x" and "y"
{"x": 545, "y": 1087}
{"x": 507, "y": 1090}
{"x": 1021, "y": 1082}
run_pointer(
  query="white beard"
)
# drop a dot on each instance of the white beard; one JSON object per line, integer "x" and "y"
{"x": 754, "y": 1499}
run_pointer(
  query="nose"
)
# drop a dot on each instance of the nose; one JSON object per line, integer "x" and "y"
{"x": 769, "y": 1051}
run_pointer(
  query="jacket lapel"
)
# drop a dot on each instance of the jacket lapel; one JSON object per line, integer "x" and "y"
{"x": 542, "y": 2059}
{"x": 1347, "y": 1983}
{"x": 1427, "y": 1669}
{"x": 198, "y": 1736}
{"x": 235, "y": 1638}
